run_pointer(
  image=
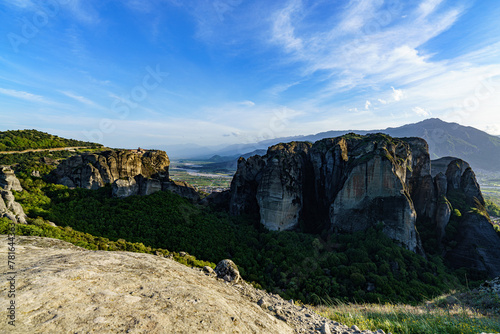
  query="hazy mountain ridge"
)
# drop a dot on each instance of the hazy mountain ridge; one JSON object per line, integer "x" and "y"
{"x": 480, "y": 149}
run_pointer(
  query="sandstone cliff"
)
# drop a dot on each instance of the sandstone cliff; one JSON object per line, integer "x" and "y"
{"x": 353, "y": 182}
{"x": 129, "y": 173}
{"x": 61, "y": 288}
{"x": 344, "y": 184}
{"x": 9, "y": 208}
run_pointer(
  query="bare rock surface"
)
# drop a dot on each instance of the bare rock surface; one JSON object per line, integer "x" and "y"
{"x": 130, "y": 172}
{"x": 9, "y": 208}
{"x": 130, "y": 169}
{"x": 344, "y": 184}
{"x": 61, "y": 288}
{"x": 8, "y": 180}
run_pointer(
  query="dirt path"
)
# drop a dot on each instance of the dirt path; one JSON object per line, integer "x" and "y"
{"x": 45, "y": 149}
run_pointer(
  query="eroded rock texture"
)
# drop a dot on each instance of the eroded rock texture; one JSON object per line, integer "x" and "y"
{"x": 9, "y": 208}
{"x": 345, "y": 184}
{"x": 128, "y": 172}
{"x": 66, "y": 289}
{"x": 352, "y": 183}
{"x": 92, "y": 170}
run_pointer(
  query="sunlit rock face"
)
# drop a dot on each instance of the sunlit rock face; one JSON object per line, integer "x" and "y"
{"x": 344, "y": 184}
{"x": 352, "y": 183}
{"x": 279, "y": 193}
{"x": 92, "y": 171}
{"x": 9, "y": 208}
{"x": 129, "y": 172}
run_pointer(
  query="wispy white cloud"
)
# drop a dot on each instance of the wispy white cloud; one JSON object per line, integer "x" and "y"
{"x": 369, "y": 46}
{"x": 368, "y": 104}
{"x": 428, "y": 6}
{"x": 280, "y": 88}
{"x": 283, "y": 30}
{"x": 397, "y": 94}
{"x": 247, "y": 103}
{"x": 21, "y": 3}
{"x": 421, "y": 111}
{"x": 22, "y": 95}
{"x": 83, "y": 11}
{"x": 79, "y": 98}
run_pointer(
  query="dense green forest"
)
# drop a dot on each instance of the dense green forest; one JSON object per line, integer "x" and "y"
{"x": 19, "y": 140}
{"x": 39, "y": 227}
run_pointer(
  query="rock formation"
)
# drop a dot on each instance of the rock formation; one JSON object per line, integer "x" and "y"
{"x": 345, "y": 184}
{"x": 353, "y": 182}
{"x": 128, "y": 172}
{"x": 228, "y": 271}
{"x": 8, "y": 180}
{"x": 62, "y": 288}
{"x": 94, "y": 170}
{"x": 9, "y": 208}
{"x": 477, "y": 244}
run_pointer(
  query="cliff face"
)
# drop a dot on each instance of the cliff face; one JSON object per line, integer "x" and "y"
{"x": 9, "y": 208}
{"x": 129, "y": 173}
{"x": 92, "y": 171}
{"x": 477, "y": 243}
{"x": 345, "y": 184}
{"x": 352, "y": 183}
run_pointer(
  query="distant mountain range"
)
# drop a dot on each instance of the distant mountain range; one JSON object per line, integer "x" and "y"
{"x": 480, "y": 149}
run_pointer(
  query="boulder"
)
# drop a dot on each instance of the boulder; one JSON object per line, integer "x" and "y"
{"x": 9, "y": 208}
{"x": 228, "y": 271}
{"x": 8, "y": 180}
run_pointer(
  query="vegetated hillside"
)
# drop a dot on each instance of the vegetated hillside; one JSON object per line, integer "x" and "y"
{"x": 309, "y": 267}
{"x": 19, "y": 140}
{"x": 39, "y": 161}
{"x": 362, "y": 266}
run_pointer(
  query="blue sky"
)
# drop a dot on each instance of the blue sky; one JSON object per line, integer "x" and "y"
{"x": 169, "y": 72}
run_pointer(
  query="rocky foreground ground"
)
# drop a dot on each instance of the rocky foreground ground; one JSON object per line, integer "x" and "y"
{"x": 61, "y": 288}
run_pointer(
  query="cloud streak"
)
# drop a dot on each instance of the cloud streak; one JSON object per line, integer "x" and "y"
{"x": 23, "y": 95}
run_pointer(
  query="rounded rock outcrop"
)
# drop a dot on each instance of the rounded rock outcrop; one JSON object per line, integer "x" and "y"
{"x": 228, "y": 271}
